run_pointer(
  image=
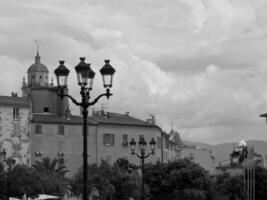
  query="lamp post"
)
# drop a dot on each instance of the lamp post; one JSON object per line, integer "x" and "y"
{"x": 142, "y": 156}
{"x": 85, "y": 76}
{"x": 264, "y": 115}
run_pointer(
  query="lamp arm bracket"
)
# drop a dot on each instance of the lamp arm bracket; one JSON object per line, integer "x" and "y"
{"x": 139, "y": 156}
{"x": 72, "y": 99}
{"x": 107, "y": 94}
{"x": 147, "y": 155}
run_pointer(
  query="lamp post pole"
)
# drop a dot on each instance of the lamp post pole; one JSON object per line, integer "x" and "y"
{"x": 142, "y": 156}
{"x": 85, "y": 79}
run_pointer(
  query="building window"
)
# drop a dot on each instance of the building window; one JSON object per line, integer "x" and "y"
{"x": 159, "y": 142}
{"x": 15, "y": 113}
{"x": 108, "y": 139}
{"x": 61, "y": 130}
{"x": 125, "y": 139}
{"x": 46, "y": 109}
{"x": 38, "y": 129}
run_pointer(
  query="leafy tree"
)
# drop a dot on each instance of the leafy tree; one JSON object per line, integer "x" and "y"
{"x": 52, "y": 176}
{"x": 126, "y": 180}
{"x": 50, "y": 167}
{"x": 76, "y": 185}
{"x": 232, "y": 187}
{"x": 2, "y": 182}
{"x": 180, "y": 179}
{"x": 101, "y": 180}
{"x": 260, "y": 183}
{"x": 116, "y": 182}
{"x": 22, "y": 180}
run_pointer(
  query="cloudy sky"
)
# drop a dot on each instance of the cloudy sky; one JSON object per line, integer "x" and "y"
{"x": 199, "y": 64}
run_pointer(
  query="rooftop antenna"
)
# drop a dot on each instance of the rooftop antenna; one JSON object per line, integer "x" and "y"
{"x": 37, "y": 42}
{"x": 37, "y": 57}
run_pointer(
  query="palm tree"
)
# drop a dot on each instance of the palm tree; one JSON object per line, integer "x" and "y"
{"x": 52, "y": 173}
{"x": 50, "y": 167}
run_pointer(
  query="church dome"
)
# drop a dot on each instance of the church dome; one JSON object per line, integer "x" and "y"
{"x": 37, "y": 66}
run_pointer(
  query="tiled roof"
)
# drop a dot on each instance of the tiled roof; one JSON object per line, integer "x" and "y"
{"x": 119, "y": 119}
{"x": 14, "y": 101}
{"x": 49, "y": 118}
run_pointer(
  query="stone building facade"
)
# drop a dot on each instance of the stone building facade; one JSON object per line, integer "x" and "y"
{"x": 14, "y": 128}
{"x": 39, "y": 124}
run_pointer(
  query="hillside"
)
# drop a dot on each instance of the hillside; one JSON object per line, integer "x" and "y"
{"x": 220, "y": 151}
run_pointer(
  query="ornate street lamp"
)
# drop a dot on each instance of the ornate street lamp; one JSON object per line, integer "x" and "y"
{"x": 85, "y": 76}
{"x": 264, "y": 115}
{"x": 142, "y": 156}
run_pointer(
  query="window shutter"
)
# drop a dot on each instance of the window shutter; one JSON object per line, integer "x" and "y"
{"x": 112, "y": 139}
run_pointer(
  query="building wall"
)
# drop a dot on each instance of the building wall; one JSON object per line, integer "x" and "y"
{"x": 47, "y": 97}
{"x": 50, "y": 143}
{"x": 14, "y": 134}
{"x": 113, "y": 152}
{"x": 170, "y": 149}
{"x": 199, "y": 156}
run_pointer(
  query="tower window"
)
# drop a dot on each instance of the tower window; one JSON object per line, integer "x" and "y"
{"x": 46, "y": 109}
{"x": 15, "y": 113}
{"x": 40, "y": 77}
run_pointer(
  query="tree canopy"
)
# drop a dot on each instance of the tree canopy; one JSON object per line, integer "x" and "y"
{"x": 181, "y": 179}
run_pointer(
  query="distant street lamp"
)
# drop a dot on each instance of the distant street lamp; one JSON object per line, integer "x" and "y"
{"x": 85, "y": 77}
{"x": 264, "y": 115}
{"x": 142, "y": 156}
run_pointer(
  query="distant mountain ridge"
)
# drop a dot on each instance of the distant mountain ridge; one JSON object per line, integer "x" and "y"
{"x": 221, "y": 151}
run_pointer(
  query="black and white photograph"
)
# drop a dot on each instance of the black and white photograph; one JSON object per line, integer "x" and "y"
{"x": 133, "y": 99}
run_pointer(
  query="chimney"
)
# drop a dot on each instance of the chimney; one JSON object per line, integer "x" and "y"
{"x": 127, "y": 113}
{"x": 151, "y": 120}
{"x": 14, "y": 94}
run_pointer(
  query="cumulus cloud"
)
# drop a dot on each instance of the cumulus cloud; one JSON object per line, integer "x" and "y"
{"x": 197, "y": 63}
